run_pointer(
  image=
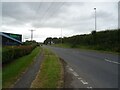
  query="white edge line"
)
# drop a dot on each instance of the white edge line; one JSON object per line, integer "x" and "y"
{"x": 70, "y": 69}
{"x": 84, "y": 82}
{"x": 89, "y": 87}
{"x": 79, "y": 78}
{"x": 75, "y": 74}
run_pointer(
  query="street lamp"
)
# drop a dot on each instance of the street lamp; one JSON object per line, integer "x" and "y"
{"x": 95, "y": 20}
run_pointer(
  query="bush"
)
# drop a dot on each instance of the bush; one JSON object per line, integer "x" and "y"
{"x": 10, "y": 53}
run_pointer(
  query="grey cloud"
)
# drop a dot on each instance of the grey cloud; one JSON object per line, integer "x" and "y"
{"x": 104, "y": 15}
{"x": 71, "y": 15}
{"x": 19, "y": 13}
{"x": 28, "y": 12}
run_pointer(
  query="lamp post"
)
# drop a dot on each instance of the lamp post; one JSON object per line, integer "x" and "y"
{"x": 95, "y": 20}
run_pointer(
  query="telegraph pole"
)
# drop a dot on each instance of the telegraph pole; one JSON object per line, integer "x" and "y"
{"x": 32, "y": 34}
{"x": 95, "y": 20}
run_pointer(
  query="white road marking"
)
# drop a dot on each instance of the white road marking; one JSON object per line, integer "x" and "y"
{"x": 67, "y": 66}
{"x": 79, "y": 78}
{"x": 84, "y": 82}
{"x": 70, "y": 69}
{"x": 89, "y": 87}
{"x": 75, "y": 74}
{"x": 111, "y": 61}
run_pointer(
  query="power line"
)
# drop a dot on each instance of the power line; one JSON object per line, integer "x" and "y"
{"x": 45, "y": 12}
{"x": 39, "y": 6}
{"x": 54, "y": 8}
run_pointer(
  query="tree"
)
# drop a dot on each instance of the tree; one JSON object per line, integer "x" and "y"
{"x": 48, "y": 41}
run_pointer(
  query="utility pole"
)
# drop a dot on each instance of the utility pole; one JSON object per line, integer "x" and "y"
{"x": 32, "y": 34}
{"x": 95, "y": 20}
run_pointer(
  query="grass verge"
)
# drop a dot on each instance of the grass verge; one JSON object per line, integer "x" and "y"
{"x": 13, "y": 71}
{"x": 62, "y": 45}
{"x": 50, "y": 74}
{"x": 87, "y": 48}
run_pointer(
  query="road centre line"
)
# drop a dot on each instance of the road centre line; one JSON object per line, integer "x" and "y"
{"x": 111, "y": 61}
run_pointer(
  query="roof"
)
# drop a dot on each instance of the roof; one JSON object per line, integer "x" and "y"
{"x": 2, "y": 34}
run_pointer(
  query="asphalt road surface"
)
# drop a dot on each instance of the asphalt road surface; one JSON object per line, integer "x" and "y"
{"x": 99, "y": 70}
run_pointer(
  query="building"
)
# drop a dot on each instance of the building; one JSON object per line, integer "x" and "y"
{"x": 9, "y": 39}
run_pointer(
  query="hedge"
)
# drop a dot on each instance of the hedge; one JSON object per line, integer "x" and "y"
{"x": 10, "y": 53}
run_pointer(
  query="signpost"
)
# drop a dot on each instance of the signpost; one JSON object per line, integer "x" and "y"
{"x": 15, "y": 36}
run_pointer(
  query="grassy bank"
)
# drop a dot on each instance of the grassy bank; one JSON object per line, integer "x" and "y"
{"x": 13, "y": 71}
{"x": 62, "y": 45}
{"x": 83, "y": 47}
{"x": 50, "y": 74}
{"x": 103, "y": 40}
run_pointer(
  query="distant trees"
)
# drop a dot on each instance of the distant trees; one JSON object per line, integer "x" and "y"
{"x": 56, "y": 40}
{"x": 48, "y": 41}
{"x": 105, "y": 40}
{"x": 30, "y": 42}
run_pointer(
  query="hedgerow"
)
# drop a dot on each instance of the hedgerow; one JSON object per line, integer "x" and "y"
{"x": 10, "y": 53}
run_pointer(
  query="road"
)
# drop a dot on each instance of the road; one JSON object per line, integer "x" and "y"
{"x": 98, "y": 70}
{"x": 30, "y": 74}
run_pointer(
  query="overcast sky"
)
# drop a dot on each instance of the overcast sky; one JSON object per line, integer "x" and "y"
{"x": 48, "y": 18}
